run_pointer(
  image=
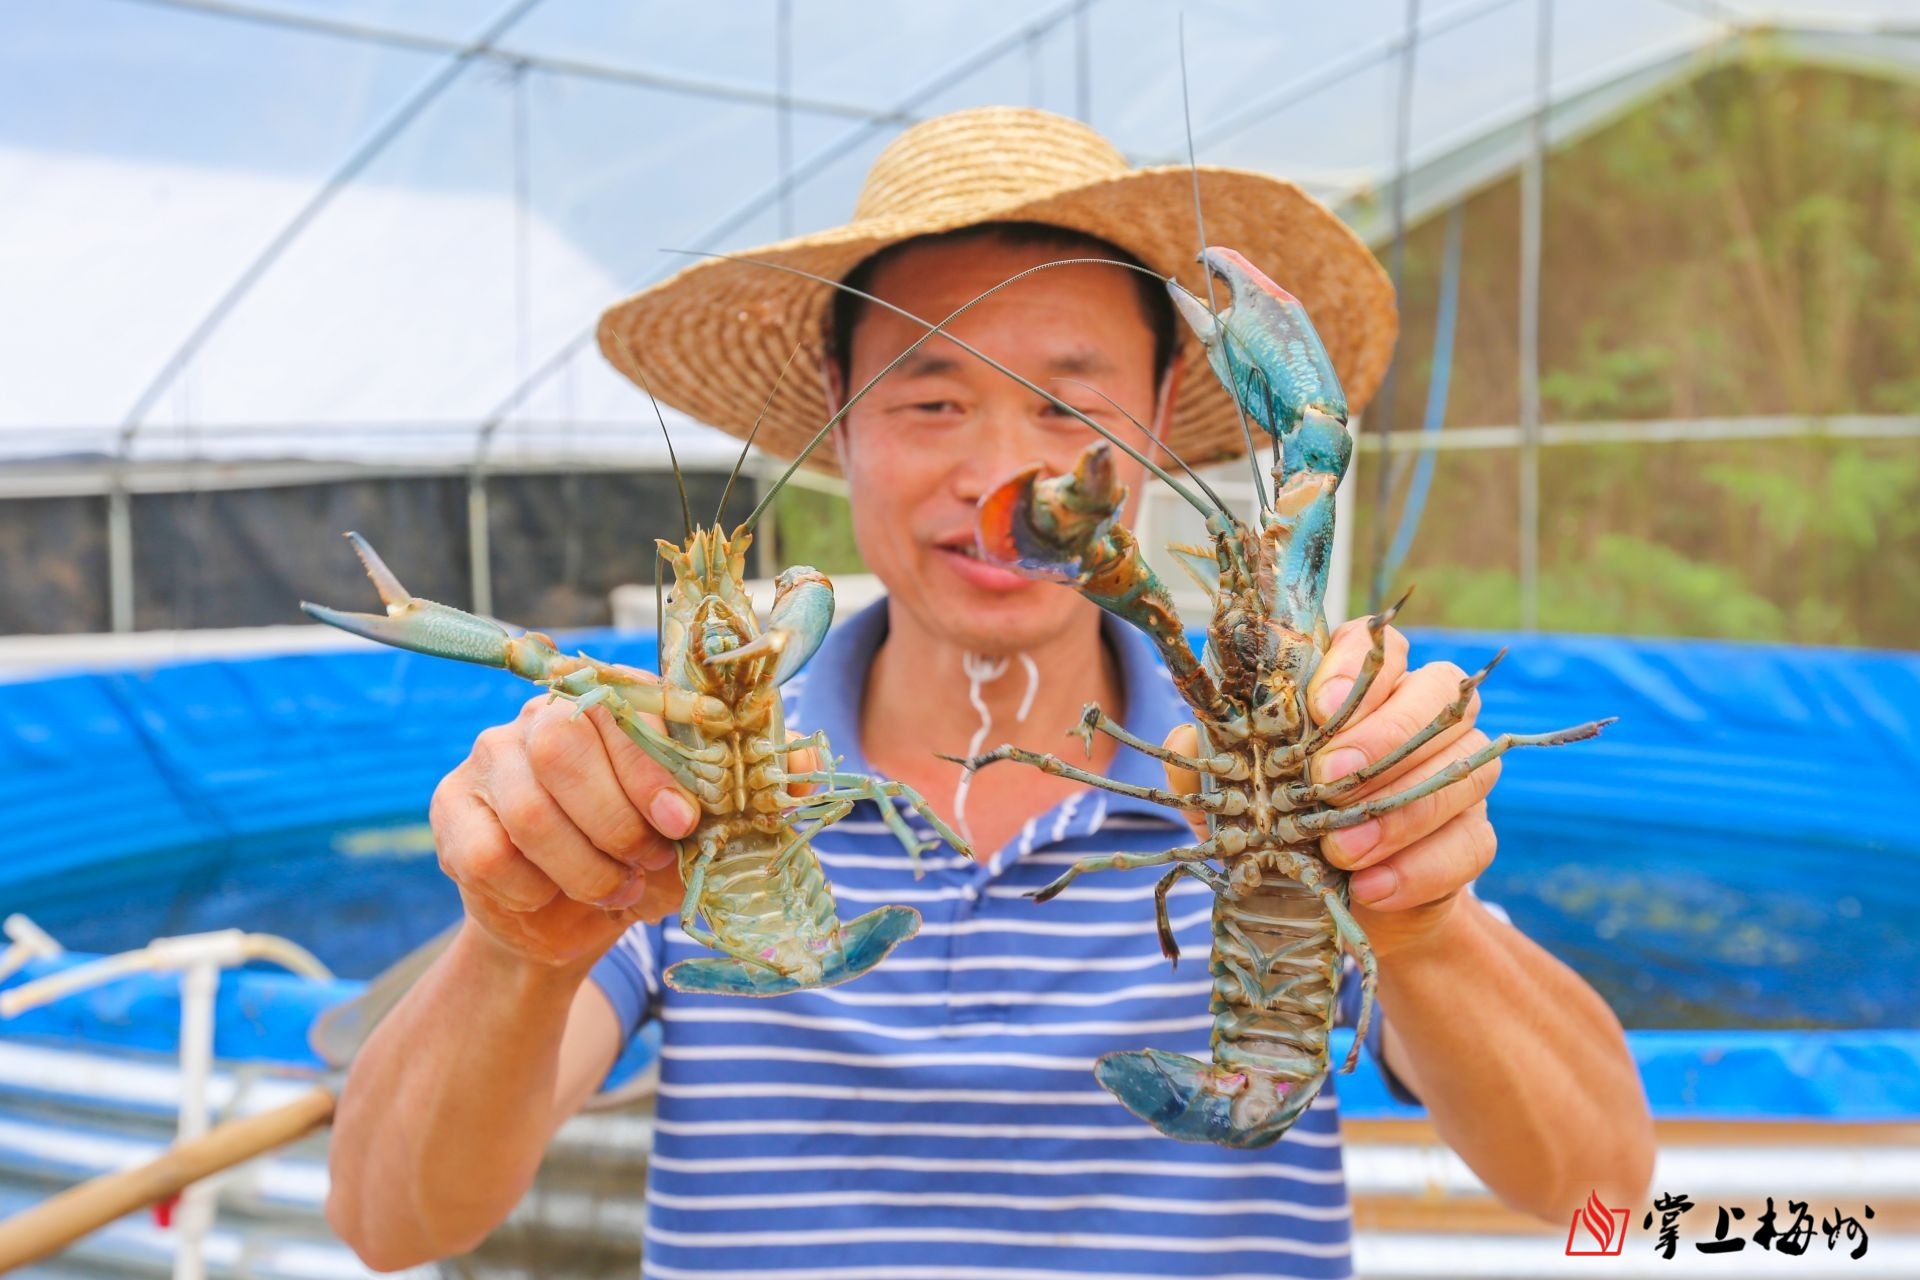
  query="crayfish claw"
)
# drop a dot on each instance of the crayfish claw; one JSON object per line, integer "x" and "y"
{"x": 1048, "y": 528}
{"x": 438, "y": 630}
{"x": 392, "y": 594}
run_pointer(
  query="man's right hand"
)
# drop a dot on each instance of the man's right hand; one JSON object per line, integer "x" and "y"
{"x": 560, "y": 833}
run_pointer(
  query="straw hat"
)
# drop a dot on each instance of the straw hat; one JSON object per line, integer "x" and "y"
{"x": 711, "y": 340}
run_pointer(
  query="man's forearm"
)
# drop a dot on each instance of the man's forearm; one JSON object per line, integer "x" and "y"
{"x": 1522, "y": 1066}
{"x": 449, "y": 1107}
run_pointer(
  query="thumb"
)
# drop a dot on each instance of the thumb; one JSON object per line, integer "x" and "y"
{"x": 1184, "y": 740}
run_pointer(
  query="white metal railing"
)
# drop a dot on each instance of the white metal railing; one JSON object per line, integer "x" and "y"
{"x": 199, "y": 959}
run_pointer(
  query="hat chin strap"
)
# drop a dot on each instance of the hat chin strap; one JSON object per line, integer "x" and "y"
{"x": 983, "y": 670}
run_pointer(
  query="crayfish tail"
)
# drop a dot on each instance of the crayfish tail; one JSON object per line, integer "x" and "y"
{"x": 863, "y": 944}
{"x": 725, "y": 976}
{"x": 1195, "y": 1101}
{"x": 869, "y": 939}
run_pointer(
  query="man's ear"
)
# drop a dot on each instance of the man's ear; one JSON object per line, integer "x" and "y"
{"x": 833, "y": 385}
{"x": 1169, "y": 391}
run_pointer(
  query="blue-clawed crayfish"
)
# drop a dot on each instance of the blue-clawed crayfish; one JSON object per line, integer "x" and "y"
{"x": 1280, "y": 919}
{"x": 750, "y": 871}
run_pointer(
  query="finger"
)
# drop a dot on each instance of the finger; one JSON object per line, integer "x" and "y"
{"x": 476, "y": 852}
{"x": 1340, "y": 666}
{"x": 543, "y": 833}
{"x": 1379, "y": 838}
{"x": 569, "y": 759}
{"x": 1417, "y": 699}
{"x": 1184, "y": 740}
{"x": 651, "y": 789}
{"x": 661, "y": 896}
{"x": 1432, "y": 868}
{"x": 805, "y": 760}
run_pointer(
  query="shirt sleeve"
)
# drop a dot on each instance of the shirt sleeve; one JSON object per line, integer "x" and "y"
{"x": 629, "y": 976}
{"x": 1348, "y": 1014}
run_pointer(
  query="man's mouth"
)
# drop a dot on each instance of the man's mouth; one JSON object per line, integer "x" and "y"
{"x": 962, "y": 554}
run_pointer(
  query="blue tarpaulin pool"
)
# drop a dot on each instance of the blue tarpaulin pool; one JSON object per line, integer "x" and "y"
{"x": 1736, "y": 853}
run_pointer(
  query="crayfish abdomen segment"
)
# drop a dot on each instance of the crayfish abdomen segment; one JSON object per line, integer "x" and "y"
{"x": 1276, "y": 968}
{"x": 1275, "y": 972}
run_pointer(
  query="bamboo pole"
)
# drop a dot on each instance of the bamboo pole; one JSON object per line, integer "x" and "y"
{"x": 58, "y": 1221}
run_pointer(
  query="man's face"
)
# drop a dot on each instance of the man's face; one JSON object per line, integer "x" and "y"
{"x": 942, "y": 429}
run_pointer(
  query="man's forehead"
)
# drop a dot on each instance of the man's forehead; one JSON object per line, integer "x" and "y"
{"x": 1076, "y": 358}
{"x": 1076, "y": 320}
{"x": 987, "y": 260}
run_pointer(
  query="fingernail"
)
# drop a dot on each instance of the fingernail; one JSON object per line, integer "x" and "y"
{"x": 1375, "y": 884}
{"x": 1338, "y": 764}
{"x": 1356, "y": 843}
{"x": 672, "y": 814}
{"x": 1333, "y": 693}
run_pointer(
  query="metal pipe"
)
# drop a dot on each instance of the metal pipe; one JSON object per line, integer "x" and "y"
{"x": 576, "y": 68}
{"x": 69, "y": 480}
{"x": 1083, "y": 63}
{"x": 479, "y": 543}
{"x": 783, "y": 111}
{"x": 1396, "y": 270}
{"x": 199, "y": 986}
{"x": 28, "y": 941}
{"x": 1532, "y": 182}
{"x": 119, "y": 553}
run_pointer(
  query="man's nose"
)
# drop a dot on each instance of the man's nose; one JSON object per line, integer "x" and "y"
{"x": 999, "y": 444}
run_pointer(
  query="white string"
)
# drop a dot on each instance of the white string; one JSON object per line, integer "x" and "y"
{"x": 982, "y": 670}
{"x": 1033, "y": 687}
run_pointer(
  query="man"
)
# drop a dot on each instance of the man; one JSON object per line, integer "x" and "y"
{"x": 937, "y": 1118}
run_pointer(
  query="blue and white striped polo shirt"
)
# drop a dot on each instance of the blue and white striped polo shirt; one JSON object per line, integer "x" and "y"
{"x": 937, "y": 1118}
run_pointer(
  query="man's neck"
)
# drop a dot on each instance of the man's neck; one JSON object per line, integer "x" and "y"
{"x": 919, "y": 700}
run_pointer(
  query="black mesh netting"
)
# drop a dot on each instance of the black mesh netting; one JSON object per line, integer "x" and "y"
{"x": 247, "y": 557}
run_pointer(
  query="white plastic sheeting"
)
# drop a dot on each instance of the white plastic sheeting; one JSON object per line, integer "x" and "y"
{"x": 344, "y": 229}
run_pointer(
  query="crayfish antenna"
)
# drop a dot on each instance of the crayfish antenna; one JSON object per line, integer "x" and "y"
{"x": 1213, "y": 303}
{"x": 679, "y": 478}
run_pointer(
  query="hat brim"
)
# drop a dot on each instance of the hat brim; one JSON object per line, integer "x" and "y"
{"x": 712, "y": 339}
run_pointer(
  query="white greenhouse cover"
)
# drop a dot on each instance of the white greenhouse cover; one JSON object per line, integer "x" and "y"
{"x": 379, "y": 229}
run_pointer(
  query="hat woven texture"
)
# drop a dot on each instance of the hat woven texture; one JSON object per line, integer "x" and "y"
{"x": 712, "y": 339}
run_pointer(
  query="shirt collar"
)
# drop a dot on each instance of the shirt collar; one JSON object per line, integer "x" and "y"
{"x": 834, "y": 682}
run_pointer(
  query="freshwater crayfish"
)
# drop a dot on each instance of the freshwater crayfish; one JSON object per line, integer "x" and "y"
{"x": 749, "y": 867}
{"x": 1281, "y": 921}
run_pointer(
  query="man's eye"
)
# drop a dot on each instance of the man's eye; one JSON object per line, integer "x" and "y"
{"x": 936, "y": 406}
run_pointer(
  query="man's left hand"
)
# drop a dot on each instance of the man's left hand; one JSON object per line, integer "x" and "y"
{"x": 1409, "y": 866}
